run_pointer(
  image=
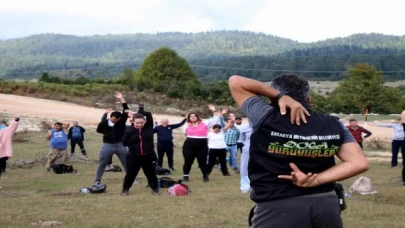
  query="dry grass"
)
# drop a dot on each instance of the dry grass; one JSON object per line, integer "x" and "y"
{"x": 31, "y": 194}
{"x": 326, "y": 87}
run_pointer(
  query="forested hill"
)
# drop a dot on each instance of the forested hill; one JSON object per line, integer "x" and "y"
{"x": 262, "y": 55}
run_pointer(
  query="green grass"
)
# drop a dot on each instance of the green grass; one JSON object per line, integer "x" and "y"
{"x": 31, "y": 194}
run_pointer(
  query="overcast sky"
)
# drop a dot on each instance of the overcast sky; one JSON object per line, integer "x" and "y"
{"x": 302, "y": 20}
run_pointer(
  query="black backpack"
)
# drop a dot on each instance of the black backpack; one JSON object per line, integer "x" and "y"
{"x": 166, "y": 182}
{"x": 115, "y": 169}
{"x": 162, "y": 171}
{"x": 62, "y": 168}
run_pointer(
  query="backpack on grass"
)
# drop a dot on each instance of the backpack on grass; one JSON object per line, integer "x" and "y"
{"x": 62, "y": 168}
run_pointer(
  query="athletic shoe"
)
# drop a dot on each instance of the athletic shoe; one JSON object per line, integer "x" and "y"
{"x": 206, "y": 179}
{"x": 96, "y": 183}
{"x": 185, "y": 179}
{"x": 403, "y": 185}
{"x": 155, "y": 191}
{"x": 236, "y": 170}
{"x": 227, "y": 174}
{"x": 136, "y": 181}
{"x": 125, "y": 192}
{"x": 172, "y": 169}
{"x": 48, "y": 170}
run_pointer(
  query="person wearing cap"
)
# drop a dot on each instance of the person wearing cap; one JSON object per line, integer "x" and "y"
{"x": 76, "y": 136}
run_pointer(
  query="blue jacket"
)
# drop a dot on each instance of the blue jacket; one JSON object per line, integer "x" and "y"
{"x": 165, "y": 134}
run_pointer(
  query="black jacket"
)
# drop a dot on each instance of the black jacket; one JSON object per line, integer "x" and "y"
{"x": 140, "y": 141}
{"x": 114, "y": 134}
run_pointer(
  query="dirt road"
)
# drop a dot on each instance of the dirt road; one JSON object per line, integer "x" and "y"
{"x": 38, "y": 109}
{"x": 35, "y": 108}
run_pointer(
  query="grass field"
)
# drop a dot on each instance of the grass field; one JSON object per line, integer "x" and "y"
{"x": 31, "y": 194}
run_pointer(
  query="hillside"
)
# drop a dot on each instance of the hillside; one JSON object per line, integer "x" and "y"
{"x": 106, "y": 56}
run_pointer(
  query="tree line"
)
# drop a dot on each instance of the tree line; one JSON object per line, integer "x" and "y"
{"x": 255, "y": 55}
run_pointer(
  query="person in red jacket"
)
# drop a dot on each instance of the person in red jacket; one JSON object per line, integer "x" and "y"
{"x": 358, "y": 131}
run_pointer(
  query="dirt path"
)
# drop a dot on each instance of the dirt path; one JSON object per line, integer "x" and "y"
{"x": 35, "y": 108}
{"x": 88, "y": 116}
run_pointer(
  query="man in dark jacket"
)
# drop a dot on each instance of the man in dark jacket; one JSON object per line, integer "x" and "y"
{"x": 112, "y": 129}
{"x": 141, "y": 153}
{"x": 76, "y": 136}
{"x": 165, "y": 140}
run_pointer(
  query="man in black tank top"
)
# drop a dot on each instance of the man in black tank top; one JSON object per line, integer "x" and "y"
{"x": 292, "y": 168}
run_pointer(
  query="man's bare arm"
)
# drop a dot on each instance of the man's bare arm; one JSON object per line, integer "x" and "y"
{"x": 242, "y": 88}
{"x": 353, "y": 163}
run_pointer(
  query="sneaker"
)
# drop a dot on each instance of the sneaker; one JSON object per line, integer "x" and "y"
{"x": 155, "y": 191}
{"x": 236, "y": 170}
{"x": 85, "y": 156}
{"x": 403, "y": 185}
{"x": 206, "y": 179}
{"x": 71, "y": 155}
{"x": 96, "y": 183}
{"x": 185, "y": 178}
{"x": 172, "y": 169}
{"x": 47, "y": 169}
{"x": 227, "y": 174}
{"x": 125, "y": 192}
{"x": 136, "y": 181}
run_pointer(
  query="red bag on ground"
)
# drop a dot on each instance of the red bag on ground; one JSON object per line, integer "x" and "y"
{"x": 179, "y": 190}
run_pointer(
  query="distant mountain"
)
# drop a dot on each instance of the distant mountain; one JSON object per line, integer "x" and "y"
{"x": 107, "y": 56}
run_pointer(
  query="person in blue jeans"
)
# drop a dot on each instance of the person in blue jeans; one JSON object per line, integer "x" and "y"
{"x": 397, "y": 141}
{"x": 231, "y": 140}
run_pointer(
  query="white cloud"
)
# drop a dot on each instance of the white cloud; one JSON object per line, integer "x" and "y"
{"x": 308, "y": 20}
{"x": 313, "y": 20}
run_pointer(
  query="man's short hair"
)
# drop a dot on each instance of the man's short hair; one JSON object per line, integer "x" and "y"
{"x": 116, "y": 114}
{"x": 58, "y": 123}
{"x": 352, "y": 120}
{"x": 238, "y": 118}
{"x": 295, "y": 86}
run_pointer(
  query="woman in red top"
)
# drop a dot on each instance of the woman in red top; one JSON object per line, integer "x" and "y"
{"x": 357, "y": 132}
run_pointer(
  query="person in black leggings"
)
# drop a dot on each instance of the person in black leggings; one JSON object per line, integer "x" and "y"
{"x": 196, "y": 144}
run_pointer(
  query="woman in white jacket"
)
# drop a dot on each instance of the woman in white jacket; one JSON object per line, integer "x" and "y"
{"x": 244, "y": 179}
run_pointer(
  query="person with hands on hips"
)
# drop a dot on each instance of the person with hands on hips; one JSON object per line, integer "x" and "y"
{"x": 292, "y": 169}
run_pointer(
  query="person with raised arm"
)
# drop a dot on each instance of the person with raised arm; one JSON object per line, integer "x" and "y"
{"x": 112, "y": 130}
{"x": 6, "y": 136}
{"x": 292, "y": 167}
{"x": 164, "y": 133}
{"x": 196, "y": 144}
